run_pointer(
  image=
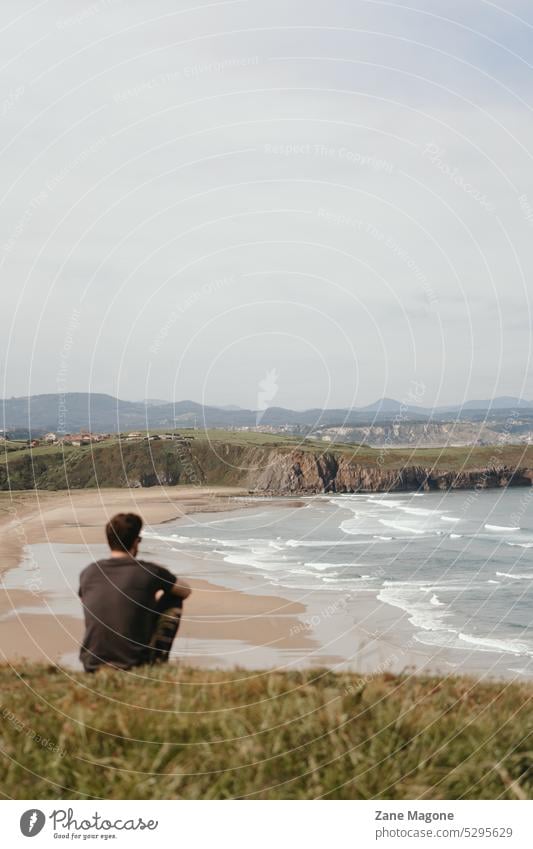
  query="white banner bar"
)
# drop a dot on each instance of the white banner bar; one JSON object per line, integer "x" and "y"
{"x": 264, "y": 825}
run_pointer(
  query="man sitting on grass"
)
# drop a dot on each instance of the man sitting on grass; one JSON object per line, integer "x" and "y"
{"x": 132, "y": 608}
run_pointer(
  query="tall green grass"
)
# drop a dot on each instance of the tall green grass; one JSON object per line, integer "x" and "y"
{"x": 188, "y": 733}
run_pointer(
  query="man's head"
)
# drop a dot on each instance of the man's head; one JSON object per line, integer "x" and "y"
{"x": 123, "y": 533}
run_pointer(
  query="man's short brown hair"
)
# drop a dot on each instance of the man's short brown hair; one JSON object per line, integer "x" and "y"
{"x": 122, "y": 531}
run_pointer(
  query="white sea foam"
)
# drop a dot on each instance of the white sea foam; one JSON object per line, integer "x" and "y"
{"x": 234, "y": 543}
{"x": 420, "y": 585}
{"x": 490, "y": 644}
{"x": 398, "y": 526}
{"x": 467, "y": 642}
{"x": 419, "y": 511}
{"x": 313, "y": 564}
{"x": 435, "y": 601}
{"x": 385, "y": 502}
{"x": 175, "y": 538}
{"x": 422, "y": 613}
{"x": 347, "y": 496}
{"x": 504, "y": 528}
{"x": 525, "y": 576}
{"x": 322, "y": 543}
{"x": 252, "y": 559}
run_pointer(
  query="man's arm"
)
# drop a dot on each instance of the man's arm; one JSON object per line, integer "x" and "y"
{"x": 181, "y": 588}
{"x": 170, "y": 583}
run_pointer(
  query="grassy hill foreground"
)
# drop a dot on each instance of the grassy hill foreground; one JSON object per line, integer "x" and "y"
{"x": 180, "y": 732}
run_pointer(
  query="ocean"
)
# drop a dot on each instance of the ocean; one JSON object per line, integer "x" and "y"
{"x": 457, "y": 565}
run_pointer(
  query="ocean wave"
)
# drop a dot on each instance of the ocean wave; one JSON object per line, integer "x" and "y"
{"x": 453, "y": 639}
{"x": 490, "y": 644}
{"x": 422, "y": 613}
{"x": 435, "y": 601}
{"x": 321, "y": 543}
{"x": 399, "y": 527}
{"x": 501, "y": 528}
{"x": 313, "y": 564}
{"x": 249, "y": 517}
{"x": 525, "y": 576}
{"x": 174, "y": 538}
{"x": 233, "y": 543}
{"x": 429, "y": 586}
{"x": 346, "y": 499}
{"x": 253, "y": 560}
{"x": 385, "y": 502}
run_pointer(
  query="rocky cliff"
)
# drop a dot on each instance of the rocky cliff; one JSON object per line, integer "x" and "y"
{"x": 305, "y": 472}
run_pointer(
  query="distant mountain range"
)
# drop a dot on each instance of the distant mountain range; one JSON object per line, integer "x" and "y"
{"x": 502, "y": 402}
{"x": 98, "y": 412}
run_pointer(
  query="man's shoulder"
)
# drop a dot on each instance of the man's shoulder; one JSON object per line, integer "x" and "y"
{"x": 101, "y": 568}
{"x": 94, "y": 568}
{"x": 101, "y": 563}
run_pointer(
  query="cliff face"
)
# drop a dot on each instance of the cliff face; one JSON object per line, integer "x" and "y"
{"x": 305, "y": 472}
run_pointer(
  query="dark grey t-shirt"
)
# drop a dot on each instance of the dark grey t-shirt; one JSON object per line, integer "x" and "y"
{"x": 118, "y": 601}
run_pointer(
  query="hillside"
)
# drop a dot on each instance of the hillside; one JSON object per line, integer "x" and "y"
{"x": 99, "y": 412}
{"x": 430, "y": 434}
{"x": 265, "y": 464}
{"x": 183, "y": 733}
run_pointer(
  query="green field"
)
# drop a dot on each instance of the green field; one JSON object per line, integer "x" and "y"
{"x": 189, "y": 733}
{"x": 453, "y": 458}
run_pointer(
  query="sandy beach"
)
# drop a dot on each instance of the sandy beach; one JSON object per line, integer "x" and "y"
{"x": 221, "y": 626}
{"x": 213, "y": 613}
{"x": 79, "y": 516}
{"x": 231, "y": 620}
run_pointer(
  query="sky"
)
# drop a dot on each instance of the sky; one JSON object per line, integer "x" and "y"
{"x": 300, "y": 203}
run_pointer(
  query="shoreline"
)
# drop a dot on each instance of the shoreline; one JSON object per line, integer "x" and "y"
{"x": 79, "y": 516}
{"x": 229, "y": 620}
{"x": 27, "y": 618}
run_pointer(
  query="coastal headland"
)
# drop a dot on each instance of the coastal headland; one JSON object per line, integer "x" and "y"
{"x": 263, "y": 464}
